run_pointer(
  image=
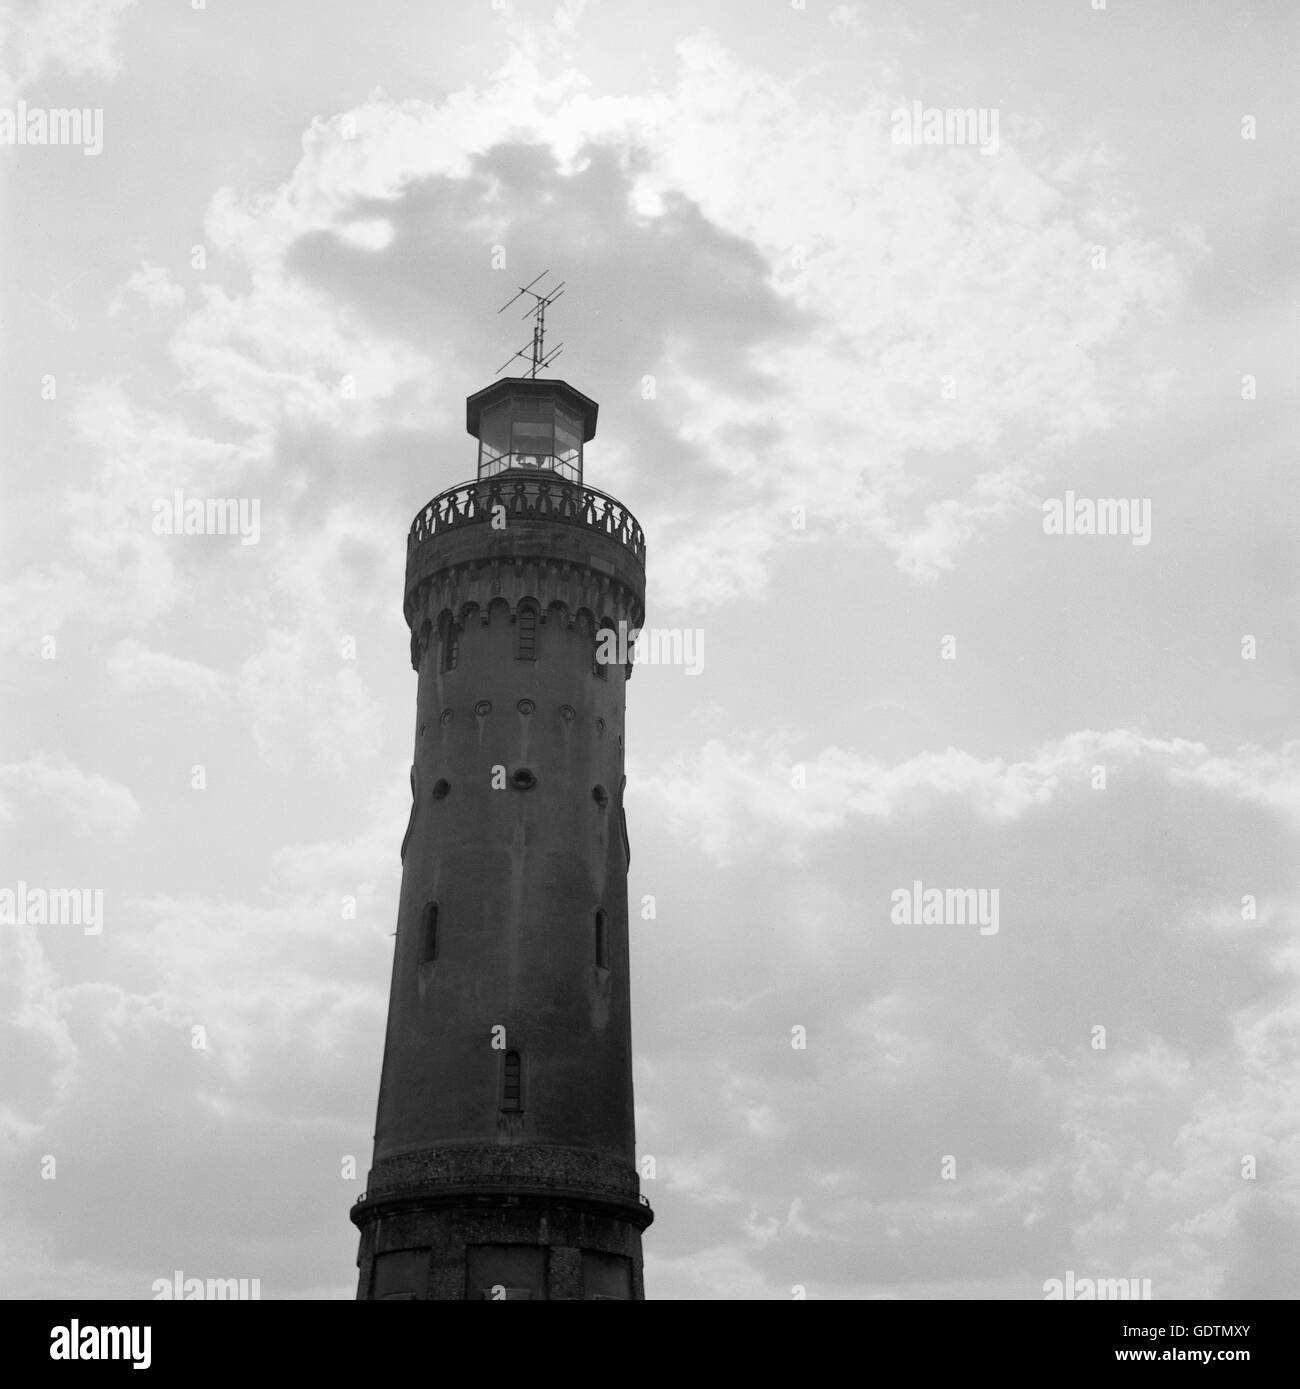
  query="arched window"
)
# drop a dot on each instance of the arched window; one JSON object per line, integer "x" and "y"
{"x": 450, "y": 647}
{"x": 512, "y": 1089}
{"x": 603, "y": 653}
{"x": 429, "y": 933}
{"x": 526, "y": 636}
{"x": 602, "y": 939}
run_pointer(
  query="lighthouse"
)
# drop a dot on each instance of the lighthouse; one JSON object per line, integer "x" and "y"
{"x": 504, "y": 1154}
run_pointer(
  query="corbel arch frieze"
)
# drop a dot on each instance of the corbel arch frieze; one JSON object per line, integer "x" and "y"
{"x": 565, "y": 587}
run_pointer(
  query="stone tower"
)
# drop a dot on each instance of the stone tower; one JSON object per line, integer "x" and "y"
{"x": 504, "y": 1162}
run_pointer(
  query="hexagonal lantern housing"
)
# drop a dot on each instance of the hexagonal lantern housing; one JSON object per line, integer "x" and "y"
{"x": 527, "y": 426}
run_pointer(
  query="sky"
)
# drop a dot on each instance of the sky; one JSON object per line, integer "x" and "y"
{"x": 846, "y": 380}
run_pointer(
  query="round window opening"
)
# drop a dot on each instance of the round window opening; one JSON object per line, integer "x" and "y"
{"x": 523, "y": 780}
{"x": 526, "y": 706}
{"x": 484, "y": 706}
{"x": 566, "y": 712}
{"x": 446, "y": 716}
{"x": 600, "y": 796}
{"x": 441, "y": 788}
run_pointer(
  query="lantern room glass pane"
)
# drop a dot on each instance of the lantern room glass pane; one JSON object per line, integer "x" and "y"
{"x": 532, "y": 432}
{"x": 568, "y": 442}
{"x": 531, "y": 436}
{"x": 494, "y": 433}
{"x": 568, "y": 432}
{"x": 524, "y": 432}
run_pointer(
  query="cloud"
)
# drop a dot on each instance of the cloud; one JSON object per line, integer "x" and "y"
{"x": 132, "y": 667}
{"x": 154, "y": 285}
{"x": 81, "y": 800}
{"x": 921, "y": 269}
{"x": 302, "y": 696}
{"x": 78, "y": 36}
{"x": 285, "y": 355}
{"x": 927, "y": 551}
{"x": 1121, "y": 908}
{"x": 186, "y": 1054}
{"x": 1267, "y": 777}
{"x": 36, "y": 1037}
{"x": 733, "y": 794}
{"x": 111, "y": 568}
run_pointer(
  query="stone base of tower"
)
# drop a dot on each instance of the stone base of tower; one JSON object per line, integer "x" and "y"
{"x": 440, "y": 1245}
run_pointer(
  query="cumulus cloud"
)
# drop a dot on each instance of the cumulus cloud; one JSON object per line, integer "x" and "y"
{"x": 154, "y": 285}
{"x": 133, "y": 667}
{"x": 931, "y": 269}
{"x": 81, "y": 801}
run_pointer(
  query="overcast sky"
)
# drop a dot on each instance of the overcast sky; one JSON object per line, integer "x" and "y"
{"x": 840, "y": 376}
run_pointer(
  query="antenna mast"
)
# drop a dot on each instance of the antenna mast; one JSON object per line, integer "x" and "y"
{"x": 535, "y": 352}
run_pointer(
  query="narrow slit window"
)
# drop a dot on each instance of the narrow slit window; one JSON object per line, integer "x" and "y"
{"x": 526, "y": 647}
{"x": 602, "y": 939}
{"x": 429, "y": 933}
{"x": 512, "y": 1094}
{"x": 450, "y": 648}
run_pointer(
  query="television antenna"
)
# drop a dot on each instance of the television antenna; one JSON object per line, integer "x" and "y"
{"x": 535, "y": 352}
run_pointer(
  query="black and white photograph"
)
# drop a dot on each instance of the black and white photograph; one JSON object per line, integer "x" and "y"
{"x": 650, "y": 653}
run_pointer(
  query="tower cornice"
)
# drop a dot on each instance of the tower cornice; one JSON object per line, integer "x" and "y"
{"x": 505, "y": 540}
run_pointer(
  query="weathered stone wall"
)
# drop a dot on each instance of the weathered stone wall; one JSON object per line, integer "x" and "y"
{"x": 517, "y": 873}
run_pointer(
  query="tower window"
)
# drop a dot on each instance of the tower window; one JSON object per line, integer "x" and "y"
{"x": 429, "y": 933}
{"x": 451, "y": 648}
{"x": 526, "y": 636}
{"x": 602, "y": 939}
{"x": 512, "y": 1092}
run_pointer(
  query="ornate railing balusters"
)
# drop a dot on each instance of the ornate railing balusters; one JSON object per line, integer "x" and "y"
{"x": 571, "y": 503}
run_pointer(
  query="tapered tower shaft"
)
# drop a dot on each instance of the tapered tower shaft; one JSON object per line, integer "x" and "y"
{"x": 504, "y": 1161}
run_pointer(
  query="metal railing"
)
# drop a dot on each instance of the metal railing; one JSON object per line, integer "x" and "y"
{"x": 566, "y": 467}
{"x": 574, "y": 504}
